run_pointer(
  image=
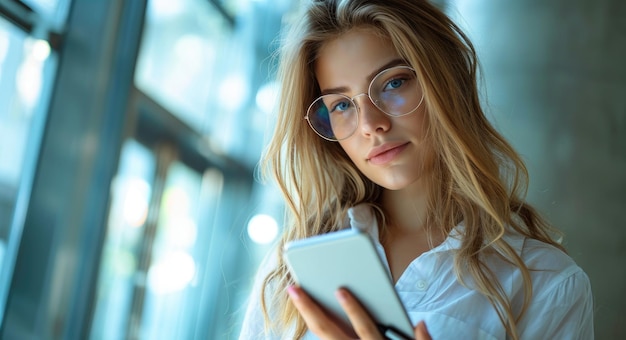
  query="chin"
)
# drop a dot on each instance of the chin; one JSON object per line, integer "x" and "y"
{"x": 396, "y": 185}
{"x": 393, "y": 188}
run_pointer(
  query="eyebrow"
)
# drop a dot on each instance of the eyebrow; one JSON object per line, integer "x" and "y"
{"x": 343, "y": 89}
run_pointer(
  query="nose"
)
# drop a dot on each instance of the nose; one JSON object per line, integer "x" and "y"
{"x": 371, "y": 119}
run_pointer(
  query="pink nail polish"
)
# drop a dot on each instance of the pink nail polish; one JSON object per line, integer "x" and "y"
{"x": 293, "y": 292}
{"x": 341, "y": 295}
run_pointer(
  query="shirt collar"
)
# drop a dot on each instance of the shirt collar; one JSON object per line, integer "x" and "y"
{"x": 453, "y": 241}
{"x": 361, "y": 217}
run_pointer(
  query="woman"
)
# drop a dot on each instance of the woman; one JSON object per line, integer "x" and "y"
{"x": 380, "y": 111}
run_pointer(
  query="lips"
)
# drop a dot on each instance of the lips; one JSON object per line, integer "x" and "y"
{"x": 385, "y": 153}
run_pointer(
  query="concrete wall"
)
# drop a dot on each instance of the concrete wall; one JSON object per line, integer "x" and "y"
{"x": 555, "y": 75}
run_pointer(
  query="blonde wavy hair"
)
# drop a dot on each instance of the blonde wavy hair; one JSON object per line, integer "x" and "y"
{"x": 479, "y": 179}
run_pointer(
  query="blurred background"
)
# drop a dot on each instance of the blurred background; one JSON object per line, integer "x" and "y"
{"x": 130, "y": 131}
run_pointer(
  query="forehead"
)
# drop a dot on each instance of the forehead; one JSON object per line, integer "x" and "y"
{"x": 350, "y": 58}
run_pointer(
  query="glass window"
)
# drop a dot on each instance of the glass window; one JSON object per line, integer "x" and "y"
{"x": 25, "y": 80}
{"x": 184, "y": 47}
{"x": 54, "y": 12}
{"x": 130, "y": 199}
{"x": 22, "y": 61}
{"x": 153, "y": 277}
{"x": 205, "y": 67}
{"x": 176, "y": 279}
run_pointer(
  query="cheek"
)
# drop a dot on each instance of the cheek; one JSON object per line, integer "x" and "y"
{"x": 417, "y": 124}
{"x": 350, "y": 148}
{"x": 355, "y": 154}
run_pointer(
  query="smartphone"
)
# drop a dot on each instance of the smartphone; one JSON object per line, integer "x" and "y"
{"x": 348, "y": 258}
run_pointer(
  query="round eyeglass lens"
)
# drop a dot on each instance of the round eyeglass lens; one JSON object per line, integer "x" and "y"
{"x": 396, "y": 91}
{"x": 333, "y": 116}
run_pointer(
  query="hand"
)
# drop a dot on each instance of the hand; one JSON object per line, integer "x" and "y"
{"x": 325, "y": 327}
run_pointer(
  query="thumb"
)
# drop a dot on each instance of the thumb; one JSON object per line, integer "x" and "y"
{"x": 421, "y": 332}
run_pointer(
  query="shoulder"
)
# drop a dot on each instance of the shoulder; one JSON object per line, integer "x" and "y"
{"x": 561, "y": 293}
{"x": 549, "y": 264}
{"x": 554, "y": 275}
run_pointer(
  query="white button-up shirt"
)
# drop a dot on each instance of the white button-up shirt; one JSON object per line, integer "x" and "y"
{"x": 561, "y": 306}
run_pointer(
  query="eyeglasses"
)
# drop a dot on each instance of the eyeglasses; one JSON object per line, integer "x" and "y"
{"x": 395, "y": 91}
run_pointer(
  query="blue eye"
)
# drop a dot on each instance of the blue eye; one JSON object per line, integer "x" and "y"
{"x": 394, "y": 84}
{"x": 341, "y": 106}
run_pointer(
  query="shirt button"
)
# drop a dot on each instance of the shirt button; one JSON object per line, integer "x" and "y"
{"x": 421, "y": 285}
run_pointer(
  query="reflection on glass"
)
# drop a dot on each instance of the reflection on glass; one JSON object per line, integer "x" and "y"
{"x": 176, "y": 284}
{"x": 173, "y": 268}
{"x": 29, "y": 77}
{"x": 22, "y": 61}
{"x": 173, "y": 272}
{"x": 163, "y": 297}
{"x": 130, "y": 198}
{"x": 25, "y": 80}
{"x": 183, "y": 52}
{"x": 206, "y": 67}
{"x": 262, "y": 229}
{"x": 53, "y": 11}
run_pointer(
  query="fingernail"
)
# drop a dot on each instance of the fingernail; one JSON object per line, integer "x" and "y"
{"x": 293, "y": 292}
{"x": 341, "y": 295}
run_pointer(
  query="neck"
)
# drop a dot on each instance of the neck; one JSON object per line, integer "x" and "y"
{"x": 406, "y": 236}
{"x": 406, "y": 209}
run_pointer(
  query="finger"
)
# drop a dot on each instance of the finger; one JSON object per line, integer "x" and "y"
{"x": 362, "y": 322}
{"x": 314, "y": 316}
{"x": 421, "y": 332}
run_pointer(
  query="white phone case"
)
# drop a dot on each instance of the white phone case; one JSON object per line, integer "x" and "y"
{"x": 322, "y": 264}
